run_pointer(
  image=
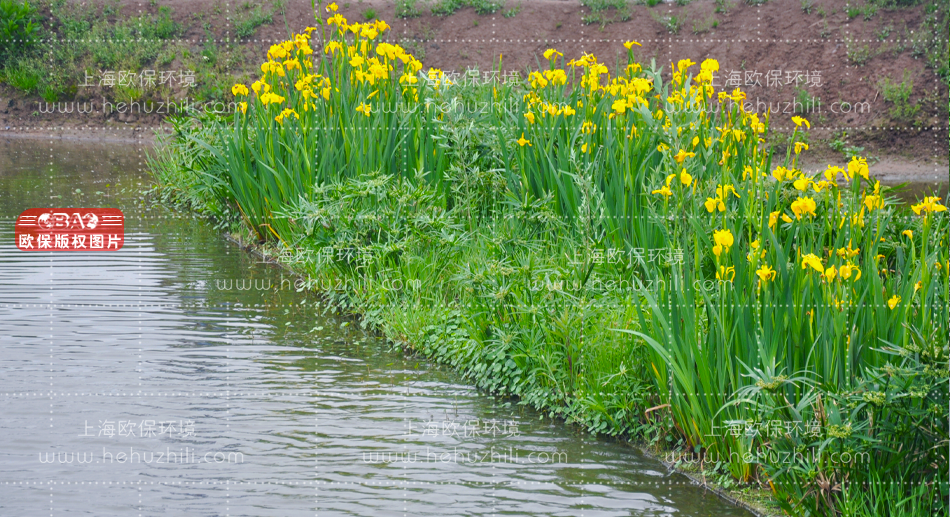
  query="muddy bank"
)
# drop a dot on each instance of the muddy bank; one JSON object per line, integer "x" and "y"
{"x": 829, "y": 63}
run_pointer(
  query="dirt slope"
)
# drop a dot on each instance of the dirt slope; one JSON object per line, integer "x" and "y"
{"x": 832, "y": 64}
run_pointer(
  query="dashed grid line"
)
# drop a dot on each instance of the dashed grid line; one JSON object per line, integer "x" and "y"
{"x": 372, "y": 483}
{"x": 671, "y": 40}
{"x": 493, "y": 483}
{"x": 302, "y": 394}
{"x": 624, "y": 303}
{"x": 906, "y": 218}
{"x": 128, "y": 127}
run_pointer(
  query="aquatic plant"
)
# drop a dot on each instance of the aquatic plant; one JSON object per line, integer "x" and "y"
{"x": 618, "y": 249}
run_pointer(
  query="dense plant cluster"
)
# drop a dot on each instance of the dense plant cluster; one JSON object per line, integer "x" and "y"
{"x": 619, "y": 249}
{"x": 17, "y": 30}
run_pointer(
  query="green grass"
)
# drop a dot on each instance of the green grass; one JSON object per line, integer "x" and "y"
{"x": 670, "y": 22}
{"x": 606, "y": 11}
{"x": 18, "y": 28}
{"x": 447, "y": 7}
{"x": 249, "y": 19}
{"x": 935, "y": 49}
{"x": 705, "y": 25}
{"x": 408, "y": 9}
{"x": 101, "y": 42}
{"x": 898, "y": 95}
{"x": 23, "y": 79}
{"x": 511, "y": 13}
{"x": 858, "y": 54}
{"x": 163, "y": 25}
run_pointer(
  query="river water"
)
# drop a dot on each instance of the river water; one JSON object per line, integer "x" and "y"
{"x": 180, "y": 376}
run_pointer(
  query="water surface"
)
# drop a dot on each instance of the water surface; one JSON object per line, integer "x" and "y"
{"x": 179, "y": 376}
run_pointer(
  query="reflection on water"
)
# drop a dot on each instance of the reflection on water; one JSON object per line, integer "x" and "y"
{"x": 178, "y": 376}
{"x": 912, "y": 192}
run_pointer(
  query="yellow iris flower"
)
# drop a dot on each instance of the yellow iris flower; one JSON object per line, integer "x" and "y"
{"x": 803, "y": 205}
{"x": 893, "y": 301}
{"x": 765, "y": 274}
{"x": 813, "y": 261}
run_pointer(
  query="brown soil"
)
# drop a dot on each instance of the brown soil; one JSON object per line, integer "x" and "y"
{"x": 748, "y": 39}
